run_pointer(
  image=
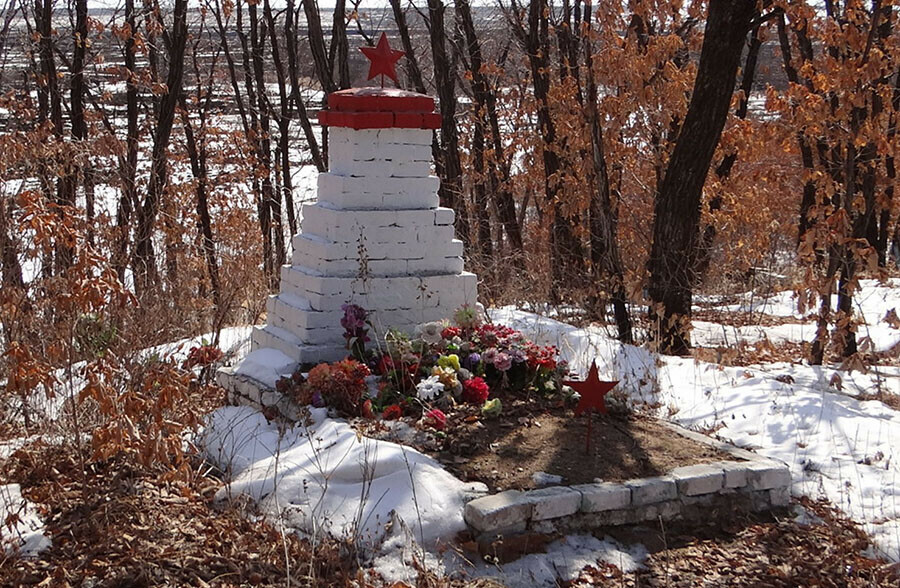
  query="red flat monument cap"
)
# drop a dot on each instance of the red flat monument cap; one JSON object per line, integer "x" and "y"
{"x": 380, "y": 108}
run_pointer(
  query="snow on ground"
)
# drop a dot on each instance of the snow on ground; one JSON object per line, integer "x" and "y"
{"x": 21, "y": 528}
{"x": 838, "y": 446}
{"x": 324, "y": 479}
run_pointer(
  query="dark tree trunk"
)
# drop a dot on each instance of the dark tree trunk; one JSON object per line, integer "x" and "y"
{"x": 270, "y": 199}
{"x": 723, "y": 170}
{"x": 51, "y": 105}
{"x": 566, "y": 254}
{"x": 128, "y": 201}
{"x": 606, "y": 261}
{"x": 262, "y": 205}
{"x": 145, "y": 261}
{"x": 317, "y": 46}
{"x": 340, "y": 47}
{"x": 566, "y": 251}
{"x": 451, "y": 176}
{"x": 806, "y": 152}
{"x": 290, "y": 37}
{"x": 412, "y": 64}
{"x": 677, "y": 210}
{"x": 284, "y": 121}
{"x": 9, "y": 258}
{"x": 199, "y": 168}
{"x": 486, "y": 104}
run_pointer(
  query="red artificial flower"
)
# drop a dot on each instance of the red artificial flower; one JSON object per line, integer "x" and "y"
{"x": 367, "y": 411}
{"x": 475, "y": 390}
{"x": 436, "y": 418}
{"x": 385, "y": 364}
{"x": 392, "y": 413}
{"x": 450, "y": 332}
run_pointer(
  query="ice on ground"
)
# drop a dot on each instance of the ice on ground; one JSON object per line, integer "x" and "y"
{"x": 21, "y": 528}
{"x": 324, "y": 479}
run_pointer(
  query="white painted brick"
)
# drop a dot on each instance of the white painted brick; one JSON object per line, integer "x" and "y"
{"x": 497, "y": 511}
{"x": 439, "y": 265}
{"x": 330, "y": 184}
{"x": 329, "y": 293}
{"x": 552, "y": 503}
{"x": 294, "y": 318}
{"x": 380, "y": 136}
{"x": 404, "y": 136}
{"x": 444, "y": 216}
{"x": 603, "y": 496}
{"x": 698, "y": 479}
{"x": 418, "y": 201}
{"x": 651, "y": 490}
{"x": 380, "y": 168}
{"x": 767, "y": 474}
{"x": 386, "y": 151}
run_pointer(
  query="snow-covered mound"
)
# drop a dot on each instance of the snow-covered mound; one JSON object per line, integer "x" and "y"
{"x": 324, "y": 479}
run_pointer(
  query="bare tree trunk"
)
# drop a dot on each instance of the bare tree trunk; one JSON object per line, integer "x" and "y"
{"x": 317, "y": 46}
{"x": 290, "y": 36}
{"x": 128, "y": 201}
{"x": 486, "y": 105}
{"x": 413, "y": 72}
{"x": 146, "y": 274}
{"x": 566, "y": 250}
{"x": 445, "y": 80}
{"x": 273, "y": 203}
{"x": 677, "y": 211}
{"x": 199, "y": 169}
{"x": 340, "y": 47}
{"x": 52, "y": 107}
{"x": 723, "y": 170}
{"x": 9, "y": 257}
{"x": 283, "y": 117}
{"x": 606, "y": 261}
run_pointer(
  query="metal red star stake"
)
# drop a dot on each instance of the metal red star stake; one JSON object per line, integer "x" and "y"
{"x": 382, "y": 59}
{"x": 593, "y": 393}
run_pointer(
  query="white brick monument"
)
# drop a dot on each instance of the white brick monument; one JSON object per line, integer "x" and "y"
{"x": 376, "y": 236}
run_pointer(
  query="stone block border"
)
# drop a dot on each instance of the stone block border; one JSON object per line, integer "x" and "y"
{"x": 748, "y": 482}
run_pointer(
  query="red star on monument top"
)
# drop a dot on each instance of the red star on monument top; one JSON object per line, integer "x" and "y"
{"x": 383, "y": 59}
{"x": 592, "y": 391}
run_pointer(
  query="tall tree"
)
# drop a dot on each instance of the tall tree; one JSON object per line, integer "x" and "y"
{"x": 445, "y": 81}
{"x": 676, "y": 220}
{"x": 487, "y": 120}
{"x": 145, "y": 271}
{"x": 566, "y": 250}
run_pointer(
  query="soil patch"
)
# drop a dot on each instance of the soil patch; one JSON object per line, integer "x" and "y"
{"x": 506, "y": 452}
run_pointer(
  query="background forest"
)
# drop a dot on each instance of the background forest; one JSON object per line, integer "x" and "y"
{"x": 611, "y": 162}
{"x": 155, "y": 158}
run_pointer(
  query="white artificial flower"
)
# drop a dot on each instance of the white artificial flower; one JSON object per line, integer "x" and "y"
{"x": 430, "y": 388}
{"x": 431, "y": 332}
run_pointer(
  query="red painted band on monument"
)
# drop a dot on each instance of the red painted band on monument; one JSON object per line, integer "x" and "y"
{"x": 380, "y": 120}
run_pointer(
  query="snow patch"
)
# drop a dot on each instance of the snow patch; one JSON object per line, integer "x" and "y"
{"x": 324, "y": 479}
{"x": 21, "y": 527}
